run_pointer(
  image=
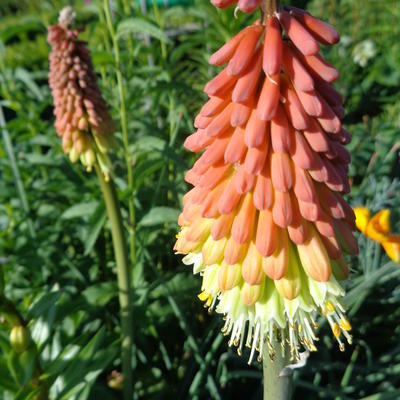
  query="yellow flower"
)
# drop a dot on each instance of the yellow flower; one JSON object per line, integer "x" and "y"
{"x": 392, "y": 248}
{"x": 378, "y": 228}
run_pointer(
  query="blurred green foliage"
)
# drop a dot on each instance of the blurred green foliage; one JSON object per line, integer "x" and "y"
{"x": 56, "y": 261}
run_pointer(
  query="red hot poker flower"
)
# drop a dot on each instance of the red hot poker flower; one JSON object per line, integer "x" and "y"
{"x": 82, "y": 117}
{"x": 266, "y": 224}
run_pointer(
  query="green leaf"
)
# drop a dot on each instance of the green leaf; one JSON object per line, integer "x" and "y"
{"x": 138, "y": 25}
{"x": 6, "y": 380}
{"x": 97, "y": 221}
{"x": 99, "y": 295}
{"x": 80, "y": 210}
{"x": 24, "y": 76}
{"x": 160, "y": 215}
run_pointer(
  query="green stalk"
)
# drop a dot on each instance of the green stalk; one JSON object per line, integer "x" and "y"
{"x": 123, "y": 277}
{"x": 16, "y": 173}
{"x": 124, "y": 127}
{"x": 276, "y": 387}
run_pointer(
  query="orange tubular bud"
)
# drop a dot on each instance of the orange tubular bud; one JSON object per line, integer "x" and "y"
{"x": 251, "y": 293}
{"x": 228, "y": 276}
{"x": 252, "y": 271}
{"x": 314, "y": 257}
{"x": 289, "y": 285}
{"x": 275, "y": 266}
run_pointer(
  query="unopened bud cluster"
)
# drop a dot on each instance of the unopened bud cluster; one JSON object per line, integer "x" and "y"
{"x": 82, "y": 118}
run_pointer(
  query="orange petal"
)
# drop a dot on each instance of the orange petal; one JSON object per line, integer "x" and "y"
{"x": 244, "y": 53}
{"x": 345, "y": 237}
{"x": 229, "y": 198}
{"x": 198, "y": 141}
{"x": 332, "y": 247}
{"x": 281, "y": 172}
{"x": 225, "y": 53}
{"x": 214, "y": 106}
{"x": 310, "y": 211}
{"x": 221, "y": 227}
{"x": 251, "y": 293}
{"x": 329, "y": 121}
{"x": 248, "y": 6}
{"x": 255, "y": 158}
{"x": 320, "y": 68}
{"x": 191, "y": 177}
{"x": 213, "y": 251}
{"x": 247, "y": 84}
{"x": 272, "y": 59}
{"x": 330, "y": 201}
{"x": 256, "y": 131}
{"x": 322, "y": 31}
{"x": 210, "y": 203}
{"x": 228, "y": 276}
{"x": 269, "y": 98}
{"x": 314, "y": 258}
{"x": 316, "y": 137}
{"x": 294, "y": 110}
{"x": 263, "y": 194}
{"x": 299, "y": 35}
{"x": 280, "y": 134}
{"x": 324, "y": 225}
{"x": 289, "y": 285}
{"x": 300, "y": 77}
{"x": 234, "y": 252}
{"x": 243, "y": 181}
{"x": 243, "y": 224}
{"x": 298, "y": 228}
{"x": 302, "y": 155}
{"x": 199, "y": 230}
{"x": 303, "y": 186}
{"x": 276, "y": 265}
{"x": 240, "y": 115}
{"x": 201, "y": 122}
{"x": 213, "y": 176}
{"x": 252, "y": 271}
{"x": 333, "y": 178}
{"x": 222, "y": 122}
{"x": 282, "y": 209}
{"x": 311, "y": 102}
{"x": 329, "y": 93}
{"x": 236, "y": 148}
{"x": 266, "y": 233}
{"x": 220, "y": 84}
{"x": 215, "y": 152}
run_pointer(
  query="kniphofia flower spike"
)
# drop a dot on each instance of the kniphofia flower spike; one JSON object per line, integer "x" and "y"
{"x": 266, "y": 225}
{"x": 378, "y": 228}
{"x": 82, "y": 118}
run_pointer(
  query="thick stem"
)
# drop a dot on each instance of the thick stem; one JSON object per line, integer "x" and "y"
{"x": 123, "y": 277}
{"x": 270, "y": 7}
{"x": 276, "y": 387}
{"x": 124, "y": 128}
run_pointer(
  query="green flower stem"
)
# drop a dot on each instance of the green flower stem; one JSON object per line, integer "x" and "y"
{"x": 123, "y": 277}
{"x": 276, "y": 387}
{"x": 124, "y": 128}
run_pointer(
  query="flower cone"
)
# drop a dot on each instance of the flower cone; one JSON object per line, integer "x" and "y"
{"x": 82, "y": 118}
{"x": 266, "y": 225}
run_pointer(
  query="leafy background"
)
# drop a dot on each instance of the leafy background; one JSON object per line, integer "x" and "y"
{"x": 56, "y": 261}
